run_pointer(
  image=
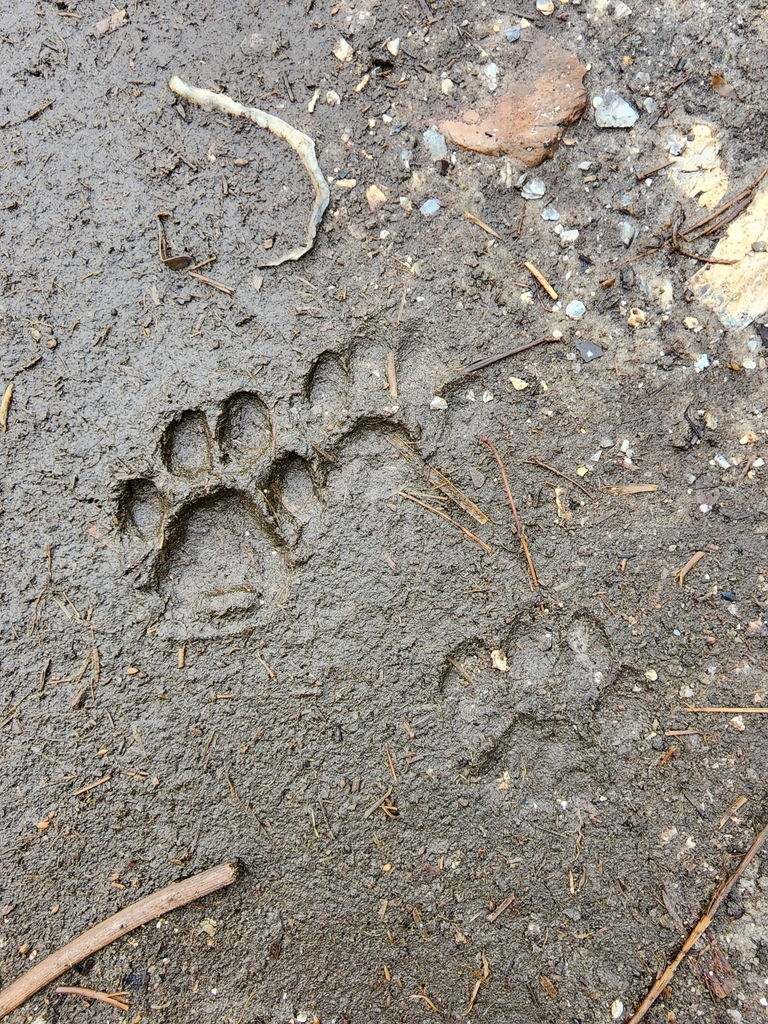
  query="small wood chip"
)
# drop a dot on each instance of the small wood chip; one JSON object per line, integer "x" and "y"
{"x": 633, "y": 489}
{"x": 5, "y": 407}
{"x": 692, "y": 561}
{"x": 542, "y": 281}
{"x": 108, "y": 25}
{"x": 213, "y": 284}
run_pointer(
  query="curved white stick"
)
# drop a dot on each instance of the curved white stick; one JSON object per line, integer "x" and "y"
{"x": 297, "y": 140}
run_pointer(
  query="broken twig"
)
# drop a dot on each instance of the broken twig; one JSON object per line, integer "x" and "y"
{"x": 720, "y": 894}
{"x": 479, "y": 364}
{"x": 170, "y": 898}
{"x": 438, "y": 480}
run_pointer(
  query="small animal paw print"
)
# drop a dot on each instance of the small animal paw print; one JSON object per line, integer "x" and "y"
{"x": 216, "y": 530}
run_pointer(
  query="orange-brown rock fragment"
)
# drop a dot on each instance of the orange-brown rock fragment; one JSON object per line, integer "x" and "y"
{"x": 526, "y": 122}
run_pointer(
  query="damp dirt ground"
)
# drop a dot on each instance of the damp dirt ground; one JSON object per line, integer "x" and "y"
{"x": 226, "y": 633}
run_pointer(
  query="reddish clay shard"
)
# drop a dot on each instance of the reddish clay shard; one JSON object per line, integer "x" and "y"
{"x": 527, "y": 121}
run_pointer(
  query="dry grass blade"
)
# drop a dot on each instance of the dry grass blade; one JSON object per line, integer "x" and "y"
{"x": 441, "y": 482}
{"x": 227, "y": 289}
{"x": 90, "y": 993}
{"x": 563, "y": 476}
{"x": 467, "y": 533}
{"x": 480, "y": 364}
{"x": 298, "y": 141}
{"x": 481, "y": 224}
{"x": 715, "y": 709}
{"x": 632, "y": 489}
{"x": 744, "y": 197}
{"x": 518, "y": 524}
{"x": 483, "y": 977}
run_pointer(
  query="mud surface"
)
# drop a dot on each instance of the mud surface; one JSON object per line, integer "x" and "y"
{"x": 225, "y": 633}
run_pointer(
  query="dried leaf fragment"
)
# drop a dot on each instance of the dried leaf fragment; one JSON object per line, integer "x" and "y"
{"x": 107, "y": 25}
{"x": 721, "y": 87}
{"x": 499, "y": 660}
{"x": 548, "y": 987}
{"x": 526, "y": 122}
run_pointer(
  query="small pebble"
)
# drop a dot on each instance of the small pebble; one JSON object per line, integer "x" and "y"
{"x": 759, "y": 246}
{"x": 650, "y": 104}
{"x": 617, "y": 1008}
{"x": 585, "y": 165}
{"x": 342, "y": 50}
{"x": 393, "y": 46}
{"x": 435, "y": 143}
{"x": 612, "y": 111}
{"x": 487, "y": 396}
{"x": 723, "y": 463}
{"x": 512, "y": 34}
{"x": 636, "y": 317}
{"x": 701, "y": 363}
{"x": 533, "y": 189}
{"x": 588, "y": 350}
{"x": 575, "y": 310}
{"x": 545, "y": 7}
{"x": 727, "y": 595}
{"x": 550, "y": 213}
{"x": 627, "y": 232}
{"x": 607, "y": 442}
{"x": 438, "y": 404}
{"x": 429, "y": 208}
{"x": 566, "y": 238}
{"x": 491, "y": 73}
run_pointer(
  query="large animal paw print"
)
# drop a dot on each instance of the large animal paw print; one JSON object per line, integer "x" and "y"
{"x": 216, "y": 531}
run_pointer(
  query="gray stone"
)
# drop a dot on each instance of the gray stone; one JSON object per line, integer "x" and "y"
{"x": 534, "y": 189}
{"x": 614, "y": 112}
{"x": 435, "y": 143}
{"x": 430, "y": 207}
{"x": 627, "y": 232}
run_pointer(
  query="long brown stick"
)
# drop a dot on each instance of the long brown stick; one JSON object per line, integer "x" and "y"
{"x": 518, "y": 524}
{"x": 170, "y": 898}
{"x": 480, "y": 364}
{"x": 720, "y": 894}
